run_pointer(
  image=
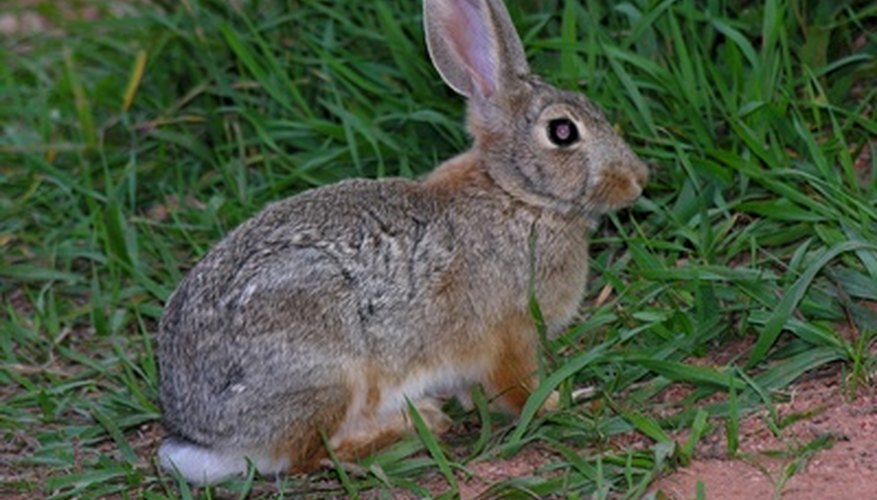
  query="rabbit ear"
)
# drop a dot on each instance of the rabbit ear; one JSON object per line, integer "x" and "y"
{"x": 473, "y": 44}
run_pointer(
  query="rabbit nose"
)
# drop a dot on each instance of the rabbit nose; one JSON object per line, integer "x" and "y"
{"x": 640, "y": 173}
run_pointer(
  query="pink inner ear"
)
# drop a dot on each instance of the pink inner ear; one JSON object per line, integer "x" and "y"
{"x": 474, "y": 42}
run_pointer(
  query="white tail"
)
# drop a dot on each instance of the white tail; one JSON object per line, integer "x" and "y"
{"x": 199, "y": 465}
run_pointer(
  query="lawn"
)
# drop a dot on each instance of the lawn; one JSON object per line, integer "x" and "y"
{"x": 136, "y": 134}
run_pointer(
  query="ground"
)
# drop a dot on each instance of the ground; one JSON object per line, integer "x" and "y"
{"x": 825, "y": 447}
{"x": 828, "y": 451}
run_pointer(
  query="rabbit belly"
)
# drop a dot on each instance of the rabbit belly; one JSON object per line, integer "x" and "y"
{"x": 200, "y": 465}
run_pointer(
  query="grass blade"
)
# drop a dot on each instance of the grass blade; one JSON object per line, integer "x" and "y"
{"x": 793, "y": 296}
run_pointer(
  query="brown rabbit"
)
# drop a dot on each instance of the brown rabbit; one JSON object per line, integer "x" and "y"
{"x": 326, "y": 312}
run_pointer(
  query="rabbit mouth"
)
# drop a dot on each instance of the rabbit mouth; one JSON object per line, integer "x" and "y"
{"x": 620, "y": 187}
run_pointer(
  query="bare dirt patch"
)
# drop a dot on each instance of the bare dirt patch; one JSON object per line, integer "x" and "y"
{"x": 828, "y": 451}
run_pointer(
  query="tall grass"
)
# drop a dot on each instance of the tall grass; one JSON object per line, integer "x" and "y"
{"x": 135, "y": 137}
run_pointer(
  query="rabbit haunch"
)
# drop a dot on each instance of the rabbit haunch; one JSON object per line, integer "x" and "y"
{"x": 328, "y": 312}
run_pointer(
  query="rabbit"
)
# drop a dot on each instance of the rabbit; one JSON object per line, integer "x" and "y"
{"x": 317, "y": 322}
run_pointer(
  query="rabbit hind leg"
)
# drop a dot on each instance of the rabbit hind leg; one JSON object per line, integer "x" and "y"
{"x": 299, "y": 448}
{"x": 304, "y": 446}
{"x": 373, "y": 433}
{"x": 378, "y": 414}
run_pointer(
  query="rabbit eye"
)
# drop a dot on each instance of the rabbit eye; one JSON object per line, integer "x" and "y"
{"x": 562, "y": 132}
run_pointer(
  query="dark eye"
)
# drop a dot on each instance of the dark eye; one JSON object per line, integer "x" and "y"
{"x": 562, "y": 132}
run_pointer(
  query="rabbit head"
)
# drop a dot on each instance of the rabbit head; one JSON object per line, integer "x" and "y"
{"x": 546, "y": 146}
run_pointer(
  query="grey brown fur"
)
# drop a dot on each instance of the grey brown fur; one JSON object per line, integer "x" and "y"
{"x": 265, "y": 340}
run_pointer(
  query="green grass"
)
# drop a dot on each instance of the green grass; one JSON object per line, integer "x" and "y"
{"x": 132, "y": 142}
